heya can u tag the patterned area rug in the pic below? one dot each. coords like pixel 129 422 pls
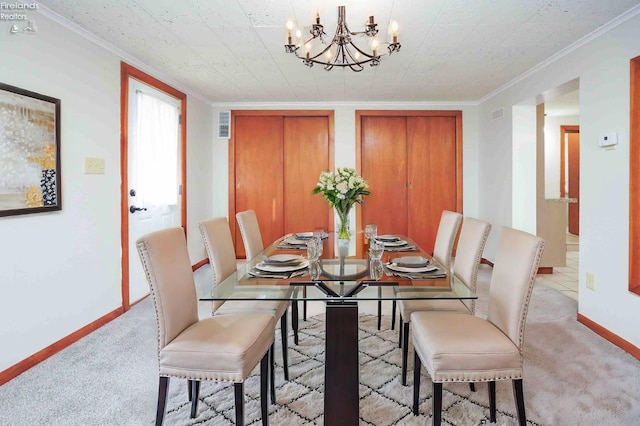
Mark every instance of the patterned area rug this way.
pixel 383 399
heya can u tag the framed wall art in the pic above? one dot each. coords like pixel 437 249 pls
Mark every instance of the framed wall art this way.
pixel 29 152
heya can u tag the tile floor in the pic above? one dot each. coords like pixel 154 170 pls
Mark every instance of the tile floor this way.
pixel 563 279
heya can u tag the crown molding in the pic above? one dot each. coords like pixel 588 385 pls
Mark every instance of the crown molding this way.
pixel 631 13
pixel 132 60
pixel 334 104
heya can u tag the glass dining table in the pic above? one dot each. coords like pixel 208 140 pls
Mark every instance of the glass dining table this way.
pixel 342 277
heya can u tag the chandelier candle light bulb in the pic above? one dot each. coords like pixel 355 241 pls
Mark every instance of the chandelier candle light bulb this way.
pixel 394 31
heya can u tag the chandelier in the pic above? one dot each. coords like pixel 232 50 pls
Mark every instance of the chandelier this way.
pixel 341 51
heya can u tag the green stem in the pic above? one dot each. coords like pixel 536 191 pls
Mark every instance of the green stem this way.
pixel 343 226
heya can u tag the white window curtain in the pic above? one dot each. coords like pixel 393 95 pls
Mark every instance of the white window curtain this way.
pixel 156 152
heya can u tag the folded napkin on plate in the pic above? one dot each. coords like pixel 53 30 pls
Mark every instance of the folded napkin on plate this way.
pixel 256 273
pixel 387 238
pixel 400 248
pixel 436 273
pixel 429 276
pixel 286 246
pixel 309 235
pixel 411 262
pixel 304 235
pixel 292 262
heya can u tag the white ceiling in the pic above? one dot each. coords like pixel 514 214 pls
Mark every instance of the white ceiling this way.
pixel 232 50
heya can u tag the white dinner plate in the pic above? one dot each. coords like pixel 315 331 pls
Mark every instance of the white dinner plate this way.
pixel 274 259
pixel 292 240
pixel 387 238
pixel 410 261
pixel 395 268
pixel 276 268
pixel 396 243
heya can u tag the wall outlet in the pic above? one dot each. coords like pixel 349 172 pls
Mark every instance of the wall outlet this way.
pixel 591 281
pixel 94 166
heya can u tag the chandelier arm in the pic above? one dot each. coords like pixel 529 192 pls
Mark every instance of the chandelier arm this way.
pixel 362 52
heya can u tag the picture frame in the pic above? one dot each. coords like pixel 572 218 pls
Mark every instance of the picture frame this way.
pixel 30 179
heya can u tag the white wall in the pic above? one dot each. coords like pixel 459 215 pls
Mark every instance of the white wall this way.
pixel 524 170
pixel 61 271
pixel 345 142
pixel 602 66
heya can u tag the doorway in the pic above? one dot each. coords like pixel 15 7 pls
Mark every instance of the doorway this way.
pixel 570 176
pixel 153 168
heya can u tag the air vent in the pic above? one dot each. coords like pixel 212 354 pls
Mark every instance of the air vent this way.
pixel 497 114
pixel 224 124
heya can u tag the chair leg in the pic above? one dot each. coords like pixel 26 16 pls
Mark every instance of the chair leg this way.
pixel 518 393
pixel 283 335
pixel 195 393
pixel 472 386
pixel 264 385
pixel 379 312
pixel 294 321
pixel 393 315
pixel 400 323
pixel 272 371
pixel 492 401
pixel 238 393
pixel 405 352
pixel 163 386
pixel 437 403
pixel 189 389
pixel 417 365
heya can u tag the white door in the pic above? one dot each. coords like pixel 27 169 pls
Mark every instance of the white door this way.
pixel 153 171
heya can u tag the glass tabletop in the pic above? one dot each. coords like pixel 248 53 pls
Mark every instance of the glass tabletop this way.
pixel 282 272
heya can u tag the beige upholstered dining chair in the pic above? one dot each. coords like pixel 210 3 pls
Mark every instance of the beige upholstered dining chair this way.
pixel 253 245
pixel 473 237
pixel 442 251
pixel 250 231
pixel 219 245
pixel 221 348
pixel 466 348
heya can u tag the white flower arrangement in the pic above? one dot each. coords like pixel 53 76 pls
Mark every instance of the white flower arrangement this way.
pixel 342 188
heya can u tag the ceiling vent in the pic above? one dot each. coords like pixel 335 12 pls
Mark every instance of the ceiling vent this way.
pixel 497 114
pixel 224 124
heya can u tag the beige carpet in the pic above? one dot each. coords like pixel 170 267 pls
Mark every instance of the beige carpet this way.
pixel 572 377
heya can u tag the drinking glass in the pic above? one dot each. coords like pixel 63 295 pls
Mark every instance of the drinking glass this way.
pixel 314 249
pixel 376 248
pixel 371 231
pixel 315 270
pixel 375 269
pixel 318 235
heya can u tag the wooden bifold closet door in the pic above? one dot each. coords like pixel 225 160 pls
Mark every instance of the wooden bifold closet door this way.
pixel 275 158
pixel 412 160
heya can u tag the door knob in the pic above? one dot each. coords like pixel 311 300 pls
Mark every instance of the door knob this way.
pixel 134 209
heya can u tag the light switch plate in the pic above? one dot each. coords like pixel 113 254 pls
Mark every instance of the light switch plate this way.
pixel 94 166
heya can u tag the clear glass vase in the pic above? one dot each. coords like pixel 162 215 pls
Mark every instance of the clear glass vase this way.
pixel 342 226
